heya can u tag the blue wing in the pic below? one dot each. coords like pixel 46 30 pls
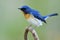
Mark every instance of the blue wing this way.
pixel 37 15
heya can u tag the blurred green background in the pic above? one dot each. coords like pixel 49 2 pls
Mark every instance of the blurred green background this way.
pixel 13 23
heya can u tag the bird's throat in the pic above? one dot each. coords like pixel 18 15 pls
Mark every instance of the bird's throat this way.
pixel 27 16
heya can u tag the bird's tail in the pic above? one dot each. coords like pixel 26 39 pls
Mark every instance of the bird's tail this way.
pixel 54 14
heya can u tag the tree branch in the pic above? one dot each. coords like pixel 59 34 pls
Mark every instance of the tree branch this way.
pixel 32 31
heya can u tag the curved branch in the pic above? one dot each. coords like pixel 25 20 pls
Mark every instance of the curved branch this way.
pixel 32 31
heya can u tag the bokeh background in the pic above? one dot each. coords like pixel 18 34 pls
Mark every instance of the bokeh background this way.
pixel 13 23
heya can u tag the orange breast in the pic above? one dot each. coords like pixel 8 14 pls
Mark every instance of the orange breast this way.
pixel 27 16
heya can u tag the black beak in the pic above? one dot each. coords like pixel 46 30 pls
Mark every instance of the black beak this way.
pixel 19 8
pixel 23 9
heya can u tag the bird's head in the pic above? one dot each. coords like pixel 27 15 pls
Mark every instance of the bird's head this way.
pixel 25 9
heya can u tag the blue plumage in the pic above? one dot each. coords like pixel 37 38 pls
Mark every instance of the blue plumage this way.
pixel 50 15
pixel 36 14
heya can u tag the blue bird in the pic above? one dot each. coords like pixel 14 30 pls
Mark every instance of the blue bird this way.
pixel 34 17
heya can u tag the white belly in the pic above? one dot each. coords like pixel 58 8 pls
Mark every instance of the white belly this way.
pixel 34 21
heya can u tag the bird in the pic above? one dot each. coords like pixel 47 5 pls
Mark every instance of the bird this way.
pixel 34 17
